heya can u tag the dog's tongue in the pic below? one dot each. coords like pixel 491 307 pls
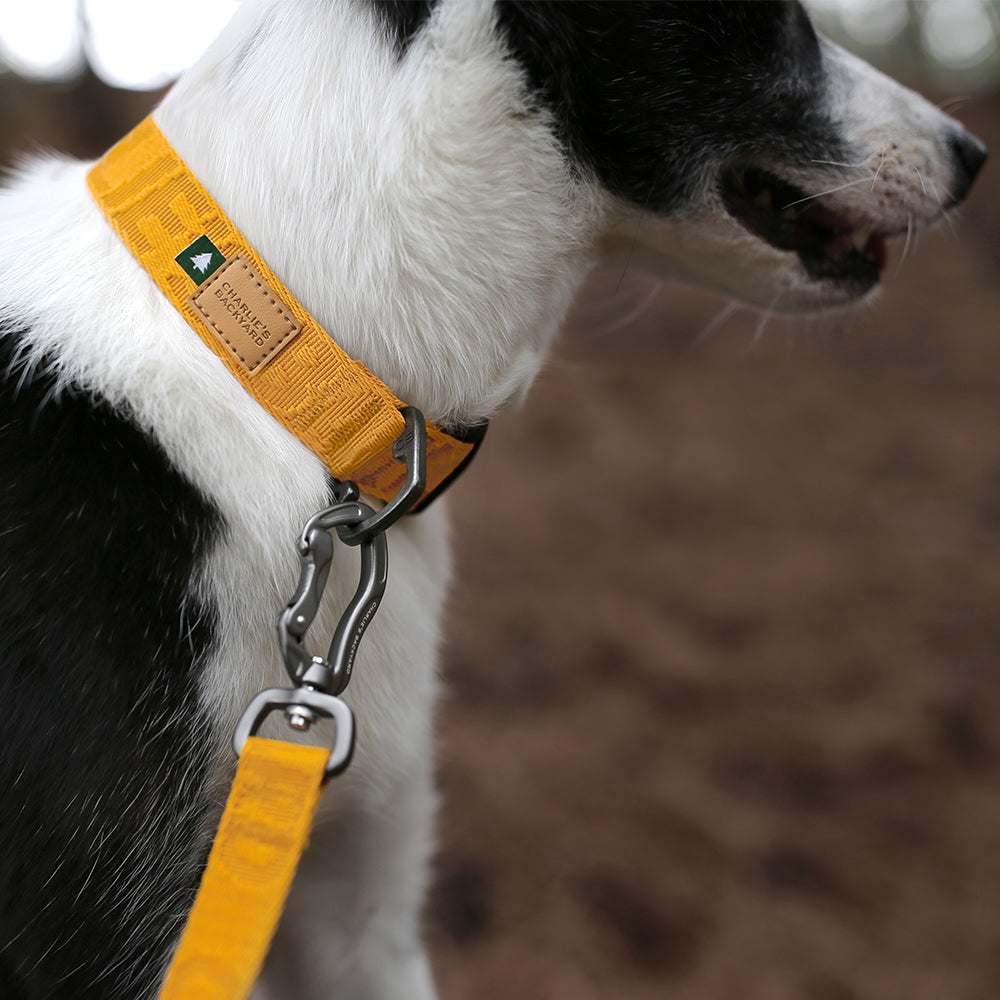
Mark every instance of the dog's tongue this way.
pixel 845 236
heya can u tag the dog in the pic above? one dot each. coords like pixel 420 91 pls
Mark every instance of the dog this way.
pixel 433 180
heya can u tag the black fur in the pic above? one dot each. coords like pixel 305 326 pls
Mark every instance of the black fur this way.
pixel 739 79
pixel 403 19
pixel 101 771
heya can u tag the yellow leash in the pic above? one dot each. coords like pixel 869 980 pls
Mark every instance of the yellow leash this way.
pixel 266 822
pixel 353 422
pixel 262 834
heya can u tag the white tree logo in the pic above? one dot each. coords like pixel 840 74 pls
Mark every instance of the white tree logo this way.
pixel 201 261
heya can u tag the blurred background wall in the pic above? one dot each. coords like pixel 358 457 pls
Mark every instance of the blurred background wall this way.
pixel 721 670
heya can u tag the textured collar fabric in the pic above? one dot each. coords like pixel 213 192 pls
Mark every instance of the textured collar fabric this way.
pixel 253 323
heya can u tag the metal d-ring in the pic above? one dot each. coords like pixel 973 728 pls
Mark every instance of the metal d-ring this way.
pixel 410 449
pixel 316 702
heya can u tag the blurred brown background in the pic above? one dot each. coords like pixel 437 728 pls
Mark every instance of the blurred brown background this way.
pixel 721 667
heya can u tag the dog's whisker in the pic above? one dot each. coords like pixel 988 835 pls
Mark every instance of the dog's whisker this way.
pixel 638 225
pixel 936 195
pixel 851 166
pixel 940 201
pixel 631 249
pixel 715 323
pixel 906 244
pixel 758 333
pixel 878 171
pixel 953 103
pixel 765 317
pixel 823 194
pixel 635 312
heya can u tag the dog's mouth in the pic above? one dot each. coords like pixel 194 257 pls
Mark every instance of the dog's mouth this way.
pixel 829 245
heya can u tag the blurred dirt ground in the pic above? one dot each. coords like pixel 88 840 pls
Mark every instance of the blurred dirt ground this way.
pixel 721 656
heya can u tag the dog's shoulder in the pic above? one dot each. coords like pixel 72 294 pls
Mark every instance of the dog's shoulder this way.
pixel 101 542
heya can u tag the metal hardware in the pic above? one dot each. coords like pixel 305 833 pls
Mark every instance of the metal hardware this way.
pixel 301 718
pixel 319 681
pixel 472 435
pixel 315 548
pixel 410 449
pixel 318 703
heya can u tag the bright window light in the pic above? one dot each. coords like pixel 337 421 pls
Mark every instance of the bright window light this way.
pixel 874 22
pixel 958 33
pixel 40 39
pixel 141 46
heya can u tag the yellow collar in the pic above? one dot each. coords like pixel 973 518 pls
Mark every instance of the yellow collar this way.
pixel 263 335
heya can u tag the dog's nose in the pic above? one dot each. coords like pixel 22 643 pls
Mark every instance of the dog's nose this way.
pixel 969 154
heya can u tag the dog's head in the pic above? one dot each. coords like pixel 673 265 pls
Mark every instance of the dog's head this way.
pixel 458 160
pixel 745 152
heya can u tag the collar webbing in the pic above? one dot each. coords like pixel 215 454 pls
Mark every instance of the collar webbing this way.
pixel 244 313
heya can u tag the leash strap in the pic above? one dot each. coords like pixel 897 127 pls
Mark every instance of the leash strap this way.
pixel 243 312
pixel 264 829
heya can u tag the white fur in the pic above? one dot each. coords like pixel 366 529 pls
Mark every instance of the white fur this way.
pixel 434 228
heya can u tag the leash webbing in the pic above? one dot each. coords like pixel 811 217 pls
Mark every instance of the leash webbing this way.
pixel 243 312
pixel 263 832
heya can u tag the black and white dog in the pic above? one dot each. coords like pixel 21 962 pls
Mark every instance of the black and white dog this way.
pixel 433 180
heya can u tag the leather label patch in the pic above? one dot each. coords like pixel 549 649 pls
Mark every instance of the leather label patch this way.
pixel 246 316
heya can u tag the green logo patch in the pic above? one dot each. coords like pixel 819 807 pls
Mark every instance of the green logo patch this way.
pixel 200 260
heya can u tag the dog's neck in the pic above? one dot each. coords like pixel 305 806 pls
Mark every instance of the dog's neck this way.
pixel 413 205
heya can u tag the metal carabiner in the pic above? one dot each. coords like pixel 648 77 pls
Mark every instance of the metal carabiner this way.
pixel 315 548
pixel 319 681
